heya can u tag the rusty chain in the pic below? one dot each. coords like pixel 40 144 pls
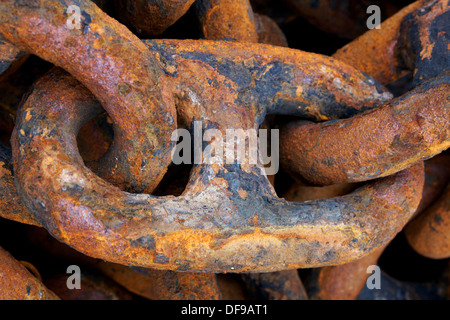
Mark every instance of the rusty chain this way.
pixel 229 217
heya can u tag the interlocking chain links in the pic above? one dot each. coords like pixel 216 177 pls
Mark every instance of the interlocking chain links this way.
pixel 375 144
pixel 141 230
pixel 17 283
pixel 437 176
pixel 163 285
pixel 117 68
pixel 151 17
pixel 386 140
pixel 224 209
pixel 150 284
pixel 269 32
pixel 344 282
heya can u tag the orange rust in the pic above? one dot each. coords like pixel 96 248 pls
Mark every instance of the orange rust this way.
pixel 429 233
pixel 163 285
pixel 159 232
pixel 227 19
pixel 127 87
pixel 343 282
pixel 437 176
pixel 374 51
pixel 32 269
pixel 11 57
pixel 206 228
pixel 374 144
pixel 17 283
pixel 269 32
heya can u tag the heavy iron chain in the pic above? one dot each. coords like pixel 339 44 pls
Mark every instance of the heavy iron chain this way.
pixel 229 217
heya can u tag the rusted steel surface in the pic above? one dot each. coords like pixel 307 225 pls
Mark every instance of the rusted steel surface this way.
pixel 146 283
pixel 227 19
pixel 423 43
pixel 408 129
pixel 162 232
pixel 186 56
pixel 269 32
pixel 103 196
pixel 163 285
pixel 374 144
pixel 343 282
pixel 281 285
pixel 133 82
pixel 243 75
pixel 413 39
pixel 437 176
pixel 151 17
pixel 17 283
pixel 429 233
pixel 92 287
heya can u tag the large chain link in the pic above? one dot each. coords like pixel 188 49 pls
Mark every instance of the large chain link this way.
pixel 229 217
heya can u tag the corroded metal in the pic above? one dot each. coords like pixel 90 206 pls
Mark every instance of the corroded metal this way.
pixel 144 226
pixel 375 144
pixel 408 129
pixel 269 32
pixel 17 283
pixel 11 207
pixel 412 39
pixel 151 17
pixel 227 19
pixel 8 54
pixel 163 232
pixel 163 285
pixel 146 283
pixel 132 89
pixel 228 219
pixel 437 176
pixel 374 51
pixel 343 282
pixel 429 233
